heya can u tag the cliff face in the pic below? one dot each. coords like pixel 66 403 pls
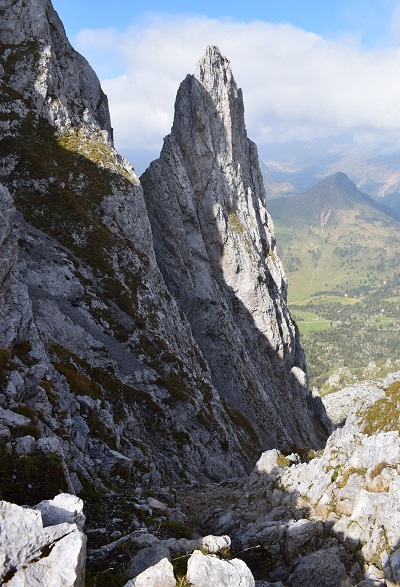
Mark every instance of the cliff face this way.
pixel 95 352
pixel 103 372
pixel 215 245
pixel 39 62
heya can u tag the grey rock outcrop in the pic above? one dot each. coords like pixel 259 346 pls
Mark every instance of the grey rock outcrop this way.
pixel 333 520
pixel 95 351
pixel 159 575
pixel 323 568
pixel 215 245
pixel 147 557
pixel 339 404
pixel 56 79
pixel 64 508
pixel 37 553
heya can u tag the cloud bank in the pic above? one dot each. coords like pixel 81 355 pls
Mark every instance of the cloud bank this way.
pixel 297 85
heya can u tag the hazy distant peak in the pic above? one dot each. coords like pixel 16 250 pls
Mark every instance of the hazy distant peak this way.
pixel 338 180
pixel 341 185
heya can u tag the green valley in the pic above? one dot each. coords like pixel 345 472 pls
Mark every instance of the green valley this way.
pixel 341 251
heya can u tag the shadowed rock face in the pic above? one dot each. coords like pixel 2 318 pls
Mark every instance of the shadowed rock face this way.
pixel 215 245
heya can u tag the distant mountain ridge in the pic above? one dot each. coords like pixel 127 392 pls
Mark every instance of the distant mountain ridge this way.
pixel 393 202
pixel 375 174
pixel 336 192
pixel 343 232
pixel 273 188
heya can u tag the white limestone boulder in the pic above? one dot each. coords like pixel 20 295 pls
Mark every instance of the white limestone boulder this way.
pixel 159 575
pixel 63 508
pixel 34 556
pixel 267 464
pixel 209 570
pixel 146 558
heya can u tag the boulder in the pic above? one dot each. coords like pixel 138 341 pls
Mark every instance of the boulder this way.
pixel 271 533
pixel 392 570
pixel 10 418
pixel 63 508
pixel 159 575
pixel 213 544
pixel 158 507
pixel 208 544
pixel 24 445
pixel 146 558
pixel 303 537
pixel 209 570
pixel 38 556
pixel 64 566
pixel 323 568
pixel 267 464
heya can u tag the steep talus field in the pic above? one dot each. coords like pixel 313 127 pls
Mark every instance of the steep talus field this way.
pixel 328 522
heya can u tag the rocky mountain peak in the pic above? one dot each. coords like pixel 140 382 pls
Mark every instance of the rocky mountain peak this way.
pixel 39 62
pixel 30 20
pixel 209 122
pixel 120 313
pixel 339 182
pixel 215 245
pixel 214 72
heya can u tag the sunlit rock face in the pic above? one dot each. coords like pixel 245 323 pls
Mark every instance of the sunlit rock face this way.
pixel 109 366
pixel 215 245
pixel 93 348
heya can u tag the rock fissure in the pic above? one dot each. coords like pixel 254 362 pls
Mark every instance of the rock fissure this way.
pixel 45 552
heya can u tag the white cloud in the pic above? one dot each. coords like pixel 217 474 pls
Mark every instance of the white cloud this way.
pixel 297 85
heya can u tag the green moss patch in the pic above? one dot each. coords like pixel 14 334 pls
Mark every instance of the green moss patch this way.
pixel 78 382
pixel 384 414
pixel 344 478
pixel 31 478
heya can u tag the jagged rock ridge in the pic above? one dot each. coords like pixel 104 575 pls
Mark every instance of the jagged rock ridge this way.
pixel 101 374
pixel 215 245
pixel 95 353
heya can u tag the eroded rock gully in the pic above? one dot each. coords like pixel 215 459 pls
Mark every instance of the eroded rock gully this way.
pixel 328 518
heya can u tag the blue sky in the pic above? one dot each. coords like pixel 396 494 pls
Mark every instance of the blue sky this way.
pixel 319 78
pixel 370 18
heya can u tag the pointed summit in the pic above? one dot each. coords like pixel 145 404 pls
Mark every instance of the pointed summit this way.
pixel 337 193
pixel 215 245
pixel 214 70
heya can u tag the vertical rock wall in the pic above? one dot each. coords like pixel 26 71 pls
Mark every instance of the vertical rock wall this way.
pixel 215 245
pixel 110 366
